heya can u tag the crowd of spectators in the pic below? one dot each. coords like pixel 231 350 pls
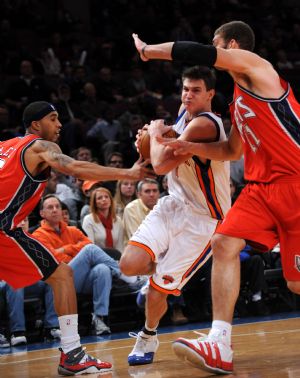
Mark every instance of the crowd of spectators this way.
pixel 88 68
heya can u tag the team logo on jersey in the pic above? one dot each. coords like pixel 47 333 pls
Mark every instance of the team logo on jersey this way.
pixel 168 279
pixel 297 262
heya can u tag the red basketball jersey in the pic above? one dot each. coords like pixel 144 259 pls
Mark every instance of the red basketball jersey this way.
pixel 270 131
pixel 19 191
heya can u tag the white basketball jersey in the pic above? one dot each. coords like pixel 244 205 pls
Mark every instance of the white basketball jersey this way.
pixel 205 186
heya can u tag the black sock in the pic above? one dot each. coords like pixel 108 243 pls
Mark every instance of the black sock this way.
pixel 147 332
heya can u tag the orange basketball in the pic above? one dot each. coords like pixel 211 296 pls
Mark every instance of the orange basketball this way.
pixel 145 142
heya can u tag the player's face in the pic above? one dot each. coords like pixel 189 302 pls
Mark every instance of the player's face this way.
pixel 50 127
pixel 149 194
pixel 103 201
pixel 195 96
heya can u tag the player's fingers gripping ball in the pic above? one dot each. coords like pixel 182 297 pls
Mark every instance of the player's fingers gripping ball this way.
pixel 144 145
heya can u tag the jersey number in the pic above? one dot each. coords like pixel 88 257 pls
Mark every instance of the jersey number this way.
pixel 241 113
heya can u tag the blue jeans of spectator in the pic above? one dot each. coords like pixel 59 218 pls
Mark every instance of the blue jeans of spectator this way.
pixel 15 305
pixel 93 270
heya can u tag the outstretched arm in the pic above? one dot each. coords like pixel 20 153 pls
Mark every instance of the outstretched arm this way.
pixel 44 153
pixel 230 149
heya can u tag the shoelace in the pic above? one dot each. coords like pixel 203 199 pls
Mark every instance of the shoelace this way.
pixel 141 342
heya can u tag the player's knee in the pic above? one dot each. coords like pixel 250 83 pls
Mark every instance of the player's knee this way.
pixel 294 286
pixel 225 247
pixel 134 261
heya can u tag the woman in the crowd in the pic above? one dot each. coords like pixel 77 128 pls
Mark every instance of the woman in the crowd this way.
pixel 102 226
pixel 125 193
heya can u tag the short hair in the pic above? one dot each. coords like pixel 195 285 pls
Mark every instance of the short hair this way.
pixel 200 73
pixel 146 181
pixel 47 196
pixel 240 31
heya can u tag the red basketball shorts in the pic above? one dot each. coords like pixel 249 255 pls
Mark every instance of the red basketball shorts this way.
pixel 265 214
pixel 23 259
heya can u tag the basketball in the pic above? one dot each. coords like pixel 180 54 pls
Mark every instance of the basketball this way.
pixel 145 142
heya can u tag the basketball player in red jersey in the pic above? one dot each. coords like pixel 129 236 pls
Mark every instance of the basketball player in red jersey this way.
pixel 24 168
pixel 265 115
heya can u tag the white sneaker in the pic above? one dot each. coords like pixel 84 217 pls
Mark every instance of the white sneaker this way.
pixel 4 343
pixel 204 353
pixel 144 349
pixel 18 340
pixel 100 327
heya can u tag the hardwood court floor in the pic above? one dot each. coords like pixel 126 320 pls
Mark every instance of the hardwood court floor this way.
pixel 264 349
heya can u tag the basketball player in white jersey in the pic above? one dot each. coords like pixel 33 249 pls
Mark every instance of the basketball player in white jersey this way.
pixel 173 242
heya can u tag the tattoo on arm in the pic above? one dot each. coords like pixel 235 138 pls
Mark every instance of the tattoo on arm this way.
pixel 55 155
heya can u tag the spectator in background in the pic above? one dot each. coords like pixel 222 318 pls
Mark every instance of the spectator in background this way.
pixel 116 160
pixel 125 193
pixel 164 185
pixel 92 107
pixel 93 269
pixel 103 226
pixel 135 212
pixel 105 133
pixel 87 188
pixel 23 90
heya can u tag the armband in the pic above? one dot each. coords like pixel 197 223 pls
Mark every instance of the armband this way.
pixel 194 53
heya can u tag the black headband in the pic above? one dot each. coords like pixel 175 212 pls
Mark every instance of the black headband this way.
pixel 36 111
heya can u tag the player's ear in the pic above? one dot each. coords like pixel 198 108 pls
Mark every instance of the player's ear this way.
pixel 211 94
pixel 35 125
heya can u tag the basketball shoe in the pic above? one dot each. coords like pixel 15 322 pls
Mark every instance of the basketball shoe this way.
pixel 144 349
pixel 78 362
pixel 212 355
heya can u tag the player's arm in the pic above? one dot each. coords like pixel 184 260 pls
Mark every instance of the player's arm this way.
pixel 44 153
pixel 235 60
pixel 163 159
pixel 230 149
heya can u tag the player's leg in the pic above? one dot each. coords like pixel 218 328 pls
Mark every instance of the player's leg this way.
pixel 213 352
pixel 73 359
pixel 146 340
pixel 136 260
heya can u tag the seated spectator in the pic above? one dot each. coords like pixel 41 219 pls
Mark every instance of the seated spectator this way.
pixel 164 185
pixel 102 226
pixel 115 160
pixel 87 187
pixel 66 216
pixel 135 212
pixel 125 193
pixel 93 269
pixel 105 133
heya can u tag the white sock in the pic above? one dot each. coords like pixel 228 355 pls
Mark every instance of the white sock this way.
pixel 70 338
pixel 128 279
pixel 221 329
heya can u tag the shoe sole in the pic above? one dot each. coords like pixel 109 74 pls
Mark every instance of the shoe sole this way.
pixel 92 369
pixel 186 354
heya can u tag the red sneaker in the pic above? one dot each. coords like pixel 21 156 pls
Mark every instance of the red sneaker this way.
pixel 211 355
pixel 78 362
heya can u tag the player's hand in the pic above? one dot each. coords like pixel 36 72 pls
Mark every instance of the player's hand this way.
pixel 158 128
pixel 139 44
pixel 138 137
pixel 180 147
pixel 139 169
